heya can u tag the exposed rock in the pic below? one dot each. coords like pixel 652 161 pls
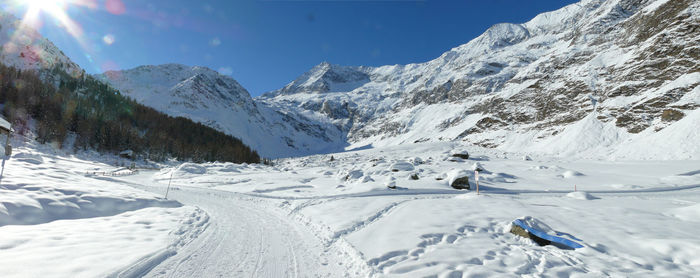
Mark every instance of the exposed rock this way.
pixel 672 115
pixel 458 179
pixel 517 230
pixel 401 166
pixel 462 154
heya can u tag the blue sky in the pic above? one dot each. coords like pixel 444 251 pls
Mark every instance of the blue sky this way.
pixel 266 44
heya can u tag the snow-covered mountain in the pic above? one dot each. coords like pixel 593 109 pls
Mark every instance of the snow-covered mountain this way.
pixel 607 75
pixel 216 100
pixel 520 86
pixel 24 48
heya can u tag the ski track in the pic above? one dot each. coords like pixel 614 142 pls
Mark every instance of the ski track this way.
pixel 284 247
pixel 246 238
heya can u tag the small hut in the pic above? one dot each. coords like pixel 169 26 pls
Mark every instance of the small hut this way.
pixel 127 154
pixel 6 130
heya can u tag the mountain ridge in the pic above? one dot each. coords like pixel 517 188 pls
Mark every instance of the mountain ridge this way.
pixel 635 59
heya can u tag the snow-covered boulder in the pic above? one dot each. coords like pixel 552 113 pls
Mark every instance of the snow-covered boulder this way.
pixel 401 166
pixel 570 174
pixel 458 179
pixel 366 179
pixel 463 154
pixel 390 182
pixel 191 168
pixel 535 224
pixel 346 175
pixel 417 161
pixel 581 195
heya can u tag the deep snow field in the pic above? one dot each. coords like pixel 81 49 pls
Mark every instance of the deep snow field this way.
pixel 311 216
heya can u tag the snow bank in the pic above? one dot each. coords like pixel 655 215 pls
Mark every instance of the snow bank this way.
pixel 39 188
pixel 98 247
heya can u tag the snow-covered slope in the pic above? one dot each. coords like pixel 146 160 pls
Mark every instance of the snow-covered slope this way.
pixel 592 78
pixel 520 85
pixel 24 48
pixel 216 100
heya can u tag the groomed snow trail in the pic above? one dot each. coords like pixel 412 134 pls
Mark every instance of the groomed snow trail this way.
pixel 248 237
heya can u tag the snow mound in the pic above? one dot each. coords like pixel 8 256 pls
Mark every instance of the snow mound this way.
pixel 417 161
pixel 401 166
pixel 570 174
pixel 230 168
pixel 27 157
pixel 581 195
pixel 347 175
pixel 390 182
pixel 191 168
pixel 689 213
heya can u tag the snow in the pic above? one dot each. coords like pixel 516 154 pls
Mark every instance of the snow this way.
pixel 308 216
pixel 94 247
pixel 425 228
pixel 53 210
pixel 581 195
pixel 633 199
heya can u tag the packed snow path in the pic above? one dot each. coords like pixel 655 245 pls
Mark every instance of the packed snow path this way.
pixel 247 238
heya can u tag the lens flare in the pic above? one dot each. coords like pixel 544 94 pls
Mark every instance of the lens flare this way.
pixel 55 9
pixel 108 39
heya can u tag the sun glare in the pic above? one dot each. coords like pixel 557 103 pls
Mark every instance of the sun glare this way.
pixel 46 5
pixel 55 9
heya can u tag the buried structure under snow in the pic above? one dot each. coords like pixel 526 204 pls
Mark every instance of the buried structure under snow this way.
pixel 531 228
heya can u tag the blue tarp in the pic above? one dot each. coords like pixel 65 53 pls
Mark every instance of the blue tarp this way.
pixel 546 236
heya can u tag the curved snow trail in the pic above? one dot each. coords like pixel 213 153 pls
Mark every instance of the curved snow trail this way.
pixel 247 237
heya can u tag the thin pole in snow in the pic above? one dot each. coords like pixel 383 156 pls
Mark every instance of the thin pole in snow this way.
pixel 171 180
pixel 3 168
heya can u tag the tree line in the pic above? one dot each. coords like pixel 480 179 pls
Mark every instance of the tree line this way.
pixel 60 106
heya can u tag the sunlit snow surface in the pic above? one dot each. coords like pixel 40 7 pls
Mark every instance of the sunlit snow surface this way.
pixel 57 221
pixel 311 216
pixel 634 217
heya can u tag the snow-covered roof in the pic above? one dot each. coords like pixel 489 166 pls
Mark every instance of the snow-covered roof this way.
pixel 5 125
pixel 127 152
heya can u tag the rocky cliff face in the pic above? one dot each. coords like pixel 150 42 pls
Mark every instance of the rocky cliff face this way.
pixel 635 62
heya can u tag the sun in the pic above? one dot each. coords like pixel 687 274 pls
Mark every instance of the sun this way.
pixel 50 6
pixel 55 9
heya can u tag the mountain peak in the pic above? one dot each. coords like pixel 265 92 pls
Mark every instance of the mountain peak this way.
pixel 23 47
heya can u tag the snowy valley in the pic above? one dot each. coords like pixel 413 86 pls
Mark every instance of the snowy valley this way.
pixel 584 118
